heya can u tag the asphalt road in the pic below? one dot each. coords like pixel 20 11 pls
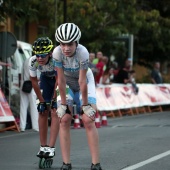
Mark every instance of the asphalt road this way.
pixel 140 142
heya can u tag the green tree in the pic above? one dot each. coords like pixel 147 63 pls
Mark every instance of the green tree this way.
pixel 101 22
pixel 23 12
pixel 152 39
pixel 20 11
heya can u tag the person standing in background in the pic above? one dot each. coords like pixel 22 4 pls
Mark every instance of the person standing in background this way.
pixel 123 74
pixel 106 77
pixel 91 65
pixel 99 66
pixel 105 62
pixel 27 100
pixel 156 77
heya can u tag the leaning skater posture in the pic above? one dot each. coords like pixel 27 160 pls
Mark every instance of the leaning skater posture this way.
pixel 45 91
pixel 71 61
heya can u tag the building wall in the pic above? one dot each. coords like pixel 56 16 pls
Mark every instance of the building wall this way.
pixel 7 25
pixel 32 32
pixel 31 29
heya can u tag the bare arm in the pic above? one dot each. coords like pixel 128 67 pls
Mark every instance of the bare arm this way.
pixel 153 81
pixel 56 84
pixel 105 77
pixel 127 81
pixel 83 86
pixel 5 64
pixel 153 77
pixel 36 88
pixel 61 85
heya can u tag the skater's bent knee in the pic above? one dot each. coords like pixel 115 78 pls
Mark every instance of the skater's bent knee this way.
pixel 89 124
pixel 65 121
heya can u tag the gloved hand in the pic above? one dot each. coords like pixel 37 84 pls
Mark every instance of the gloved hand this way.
pixel 89 111
pixel 42 106
pixel 54 104
pixel 61 110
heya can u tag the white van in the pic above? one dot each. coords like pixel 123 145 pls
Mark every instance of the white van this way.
pixel 23 51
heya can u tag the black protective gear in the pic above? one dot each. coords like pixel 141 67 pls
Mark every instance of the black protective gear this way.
pixel 42 106
pixel 54 104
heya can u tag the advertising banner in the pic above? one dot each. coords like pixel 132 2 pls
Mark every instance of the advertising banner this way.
pixel 120 96
pixel 5 111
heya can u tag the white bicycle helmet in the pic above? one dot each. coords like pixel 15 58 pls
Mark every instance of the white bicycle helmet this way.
pixel 67 33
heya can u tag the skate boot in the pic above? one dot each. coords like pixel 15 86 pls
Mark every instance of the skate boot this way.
pixel 41 152
pixel 46 160
pixel 49 152
pixel 96 167
pixel 66 167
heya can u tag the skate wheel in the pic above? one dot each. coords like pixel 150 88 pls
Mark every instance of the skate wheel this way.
pixel 51 162
pixel 48 163
pixel 41 163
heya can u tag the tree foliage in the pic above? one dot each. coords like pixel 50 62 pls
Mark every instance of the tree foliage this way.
pixel 101 21
pixel 153 36
pixel 20 11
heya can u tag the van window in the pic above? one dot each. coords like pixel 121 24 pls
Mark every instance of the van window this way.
pixel 28 53
pixel 23 57
pixel 21 54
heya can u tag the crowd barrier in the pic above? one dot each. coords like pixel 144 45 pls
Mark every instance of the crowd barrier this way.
pixel 6 116
pixel 109 98
pixel 120 96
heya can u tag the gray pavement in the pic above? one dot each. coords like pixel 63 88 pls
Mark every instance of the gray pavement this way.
pixel 127 143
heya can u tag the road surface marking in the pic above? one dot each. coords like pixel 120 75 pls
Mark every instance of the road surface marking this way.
pixel 150 160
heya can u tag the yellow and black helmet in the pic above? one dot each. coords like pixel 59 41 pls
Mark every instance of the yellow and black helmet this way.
pixel 42 45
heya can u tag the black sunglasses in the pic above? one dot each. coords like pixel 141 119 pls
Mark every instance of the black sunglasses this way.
pixel 42 55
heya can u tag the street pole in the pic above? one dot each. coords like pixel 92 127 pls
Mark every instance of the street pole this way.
pixel 65 10
pixel 130 48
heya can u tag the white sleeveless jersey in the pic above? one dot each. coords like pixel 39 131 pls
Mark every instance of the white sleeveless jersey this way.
pixel 72 65
pixel 47 69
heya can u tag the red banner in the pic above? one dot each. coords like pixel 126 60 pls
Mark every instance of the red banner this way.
pixel 119 96
pixel 5 111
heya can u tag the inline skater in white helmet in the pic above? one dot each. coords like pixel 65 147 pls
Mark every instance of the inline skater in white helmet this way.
pixel 71 62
